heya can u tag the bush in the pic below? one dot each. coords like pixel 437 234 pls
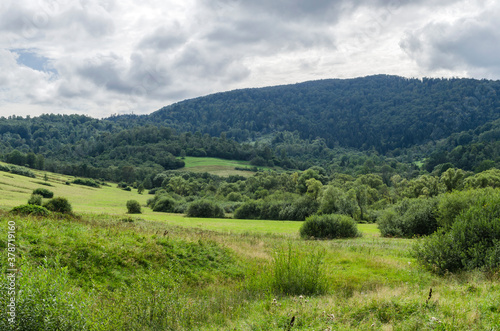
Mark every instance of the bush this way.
pixel 453 204
pixel 22 171
pixel 4 168
pixel 164 204
pixel 59 205
pixel 472 241
pixel 35 199
pixel 86 182
pixel 329 227
pixel 133 207
pixel 30 210
pixel 249 210
pixel 44 193
pixel 204 208
pixel 409 218
pixel 299 209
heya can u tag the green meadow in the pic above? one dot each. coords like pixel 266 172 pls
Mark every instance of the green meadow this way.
pixel 103 269
pixel 218 167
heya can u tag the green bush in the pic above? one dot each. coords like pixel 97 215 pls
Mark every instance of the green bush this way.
pixel 249 210
pixel 453 204
pixel 300 209
pixel 22 171
pixel 472 241
pixel 59 205
pixel 164 204
pixel 329 227
pixel 204 208
pixel 133 207
pixel 30 210
pixel 4 168
pixel 409 218
pixel 35 199
pixel 44 192
pixel 86 182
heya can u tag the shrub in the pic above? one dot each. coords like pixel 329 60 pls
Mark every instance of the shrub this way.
pixel 22 171
pixel 472 241
pixel 44 193
pixel 329 227
pixel 35 199
pixel 4 168
pixel 86 182
pixel 249 210
pixel 59 205
pixel 30 210
pixel 453 204
pixel 204 208
pixel 164 204
pixel 133 207
pixel 409 218
pixel 299 209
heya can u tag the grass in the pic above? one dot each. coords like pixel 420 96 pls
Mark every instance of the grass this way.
pixel 107 270
pixel 218 166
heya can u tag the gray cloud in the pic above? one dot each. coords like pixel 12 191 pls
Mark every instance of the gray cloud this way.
pixel 121 56
pixel 469 44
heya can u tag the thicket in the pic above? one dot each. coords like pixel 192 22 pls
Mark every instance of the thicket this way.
pixel 59 205
pixel 409 218
pixel 44 192
pixel 204 208
pixel 470 241
pixel 329 227
pixel 30 209
pixel 86 182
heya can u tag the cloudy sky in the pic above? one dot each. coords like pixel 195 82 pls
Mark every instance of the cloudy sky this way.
pixel 103 57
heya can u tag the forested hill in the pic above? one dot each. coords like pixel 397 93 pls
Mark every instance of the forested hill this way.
pixel 381 112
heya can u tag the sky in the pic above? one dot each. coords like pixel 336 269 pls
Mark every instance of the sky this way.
pixel 105 57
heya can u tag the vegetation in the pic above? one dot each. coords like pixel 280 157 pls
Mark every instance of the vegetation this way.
pixel 329 227
pixel 133 207
pixel 59 205
pixel 45 193
pixel 203 208
pixel 411 163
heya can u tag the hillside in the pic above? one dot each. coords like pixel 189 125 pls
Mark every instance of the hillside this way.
pixel 381 112
pixel 340 125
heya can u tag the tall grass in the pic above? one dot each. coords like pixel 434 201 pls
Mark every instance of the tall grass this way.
pixel 297 270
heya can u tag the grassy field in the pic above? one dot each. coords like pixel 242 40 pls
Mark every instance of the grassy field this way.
pixel 106 270
pixel 217 166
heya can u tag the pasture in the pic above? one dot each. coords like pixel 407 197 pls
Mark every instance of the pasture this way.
pixel 106 270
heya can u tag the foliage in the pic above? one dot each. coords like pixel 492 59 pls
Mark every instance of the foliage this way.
pixel 472 241
pixel 331 226
pixel 59 205
pixel 22 171
pixel 133 207
pixel 453 204
pixel 35 199
pixel 86 182
pixel 44 192
pixel 162 203
pixel 30 209
pixel 409 218
pixel 204 208
pixel 297 273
